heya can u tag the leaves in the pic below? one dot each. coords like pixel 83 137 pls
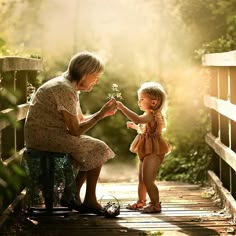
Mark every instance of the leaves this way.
pixel 219 16
pixel 12 178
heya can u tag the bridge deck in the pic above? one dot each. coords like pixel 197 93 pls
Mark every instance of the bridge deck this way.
pixel 187 210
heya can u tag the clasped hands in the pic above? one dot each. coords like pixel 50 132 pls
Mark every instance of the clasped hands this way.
pixel 110 107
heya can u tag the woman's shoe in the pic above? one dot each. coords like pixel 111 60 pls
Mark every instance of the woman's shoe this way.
pixel 153 208
pixel 139 204
pixel 84 209
pixel 72 205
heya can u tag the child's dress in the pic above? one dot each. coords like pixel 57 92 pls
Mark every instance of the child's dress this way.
pixel 149 139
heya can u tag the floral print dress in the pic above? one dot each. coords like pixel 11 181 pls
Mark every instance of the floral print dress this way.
pixel 45 128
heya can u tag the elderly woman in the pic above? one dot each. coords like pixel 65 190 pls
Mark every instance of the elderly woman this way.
pixel 56 123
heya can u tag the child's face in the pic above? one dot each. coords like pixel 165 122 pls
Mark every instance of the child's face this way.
pixel 145 102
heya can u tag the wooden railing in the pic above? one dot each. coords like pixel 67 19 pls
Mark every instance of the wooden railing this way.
pixel 221 101
pixel 15 73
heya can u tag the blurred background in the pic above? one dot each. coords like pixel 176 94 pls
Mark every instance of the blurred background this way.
pixel 140 40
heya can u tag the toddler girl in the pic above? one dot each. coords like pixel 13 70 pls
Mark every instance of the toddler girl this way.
pixel 148 144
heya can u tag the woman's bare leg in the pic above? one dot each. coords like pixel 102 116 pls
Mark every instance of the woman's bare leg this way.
pixel 80 179
pixel 90 194
pixel 150 166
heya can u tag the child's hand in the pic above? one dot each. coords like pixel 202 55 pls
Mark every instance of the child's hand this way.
pixel 119 105
pixel 131 125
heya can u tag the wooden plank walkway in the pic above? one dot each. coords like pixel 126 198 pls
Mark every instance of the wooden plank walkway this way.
pixel 187 210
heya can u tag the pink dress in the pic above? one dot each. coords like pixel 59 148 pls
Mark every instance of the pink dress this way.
pixel 149 139
pixel 45 128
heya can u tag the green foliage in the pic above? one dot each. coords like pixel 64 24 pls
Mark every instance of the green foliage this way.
pixel 188 162
pixel 12 176
pixel 8 100
pixel 188 123
pixel 213 21
pixel 12 179
pixel 222 44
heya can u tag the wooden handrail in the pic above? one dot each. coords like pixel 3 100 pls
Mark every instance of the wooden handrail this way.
pixel 221 102
pixel 223 107
pixel 18 114
pixel 223 151
pixel 19 64
pixel 219 59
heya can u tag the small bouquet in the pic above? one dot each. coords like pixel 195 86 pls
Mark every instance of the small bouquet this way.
pixel 115 93
pixel 111 208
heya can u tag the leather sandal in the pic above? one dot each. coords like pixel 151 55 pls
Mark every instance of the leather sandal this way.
pixel 139 204
pixel 153 208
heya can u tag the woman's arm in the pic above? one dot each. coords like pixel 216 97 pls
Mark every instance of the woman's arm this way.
pixel 145 118
pixel 78 128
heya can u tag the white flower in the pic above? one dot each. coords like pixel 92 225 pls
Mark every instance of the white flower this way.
pixel 115 92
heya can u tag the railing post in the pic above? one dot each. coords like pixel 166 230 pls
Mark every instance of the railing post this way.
pixel 233 125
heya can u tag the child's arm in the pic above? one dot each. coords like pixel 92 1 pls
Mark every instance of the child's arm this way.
pixel 147 117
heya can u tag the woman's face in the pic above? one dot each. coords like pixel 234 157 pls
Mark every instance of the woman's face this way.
pixel 88 81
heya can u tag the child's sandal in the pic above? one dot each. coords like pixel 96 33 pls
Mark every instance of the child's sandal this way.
pixel 139 204
pixel 153 208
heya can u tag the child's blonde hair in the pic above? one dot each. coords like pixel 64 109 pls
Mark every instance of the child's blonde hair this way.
pixel 155 91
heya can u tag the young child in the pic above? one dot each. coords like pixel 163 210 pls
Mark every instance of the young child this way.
pixel 148 144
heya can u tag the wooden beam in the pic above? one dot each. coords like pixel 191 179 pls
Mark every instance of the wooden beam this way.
pixel 223 107
pixel 219 59
pixel 18 114
pixel 15 157
pixel 225 196
pixel 19 64
pixel 223 151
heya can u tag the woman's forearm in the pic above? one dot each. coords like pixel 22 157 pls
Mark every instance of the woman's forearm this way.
pixel 89 122
pixel 88 117
pixel 77 127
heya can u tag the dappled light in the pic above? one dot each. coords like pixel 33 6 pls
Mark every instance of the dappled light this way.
pixel 139 40
pixel 188 47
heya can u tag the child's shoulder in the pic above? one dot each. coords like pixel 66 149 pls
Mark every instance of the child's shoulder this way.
pixel 158 115
pixel 149 113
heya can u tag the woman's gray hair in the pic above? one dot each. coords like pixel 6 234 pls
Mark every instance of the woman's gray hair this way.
pixel 83 63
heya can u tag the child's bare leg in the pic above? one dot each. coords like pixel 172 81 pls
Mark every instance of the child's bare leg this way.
pixel 150 166
pixel 142 191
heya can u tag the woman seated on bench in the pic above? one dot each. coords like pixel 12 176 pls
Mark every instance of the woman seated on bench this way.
pixel 55 123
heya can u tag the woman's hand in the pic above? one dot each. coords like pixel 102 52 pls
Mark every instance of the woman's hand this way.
pixel 109 108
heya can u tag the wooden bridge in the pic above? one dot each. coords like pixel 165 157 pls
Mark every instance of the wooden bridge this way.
pixel 187 209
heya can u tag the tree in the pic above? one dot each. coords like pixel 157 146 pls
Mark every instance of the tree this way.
pixel 212 22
